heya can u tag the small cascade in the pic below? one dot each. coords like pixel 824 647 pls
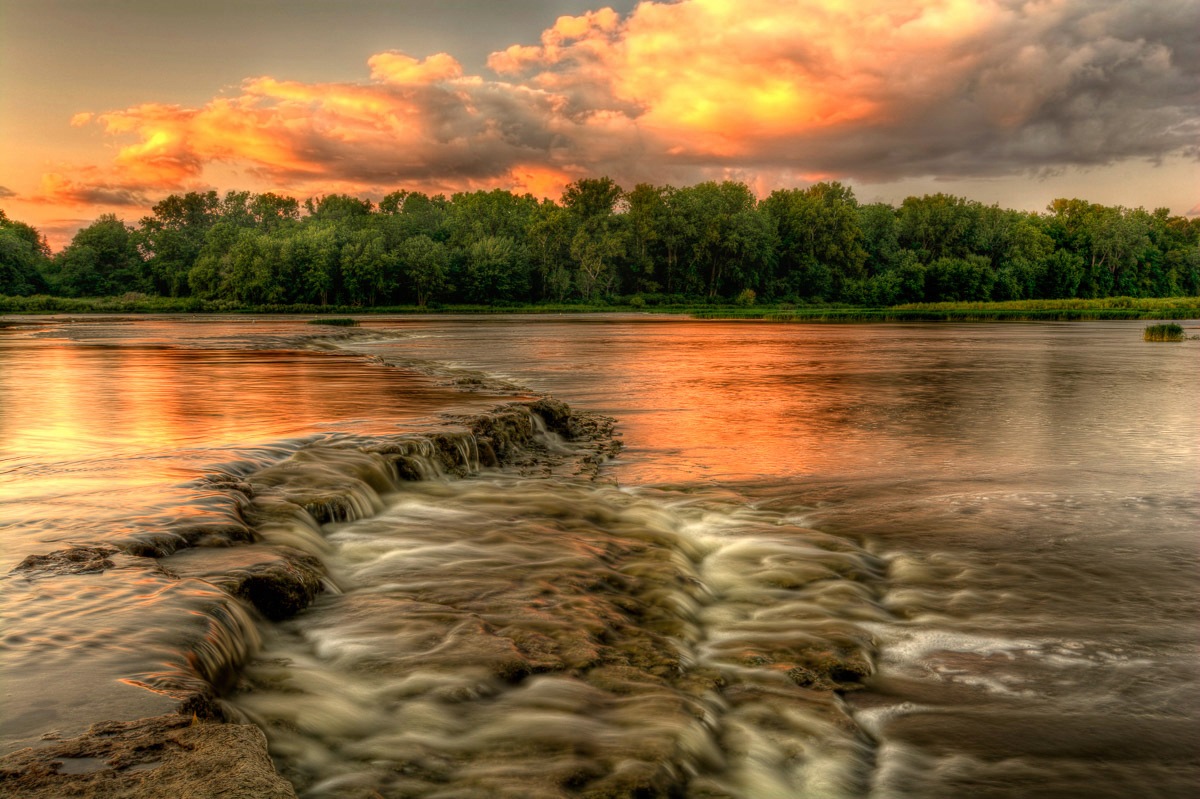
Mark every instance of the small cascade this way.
pixel 254 543
pixel 217 646
pixel 560 638
pixel 492 634
pixel 784 628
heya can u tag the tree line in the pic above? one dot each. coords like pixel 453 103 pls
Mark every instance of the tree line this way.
pixel 712 242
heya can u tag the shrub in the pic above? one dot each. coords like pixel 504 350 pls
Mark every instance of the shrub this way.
pixel 336 321
pixel 1167 332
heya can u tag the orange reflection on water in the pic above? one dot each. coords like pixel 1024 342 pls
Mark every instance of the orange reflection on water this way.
pixel 72 402
pixel 716 400
pixel 92 435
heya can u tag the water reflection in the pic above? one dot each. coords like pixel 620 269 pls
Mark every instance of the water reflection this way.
pixel 999 518
pixel 108 428
pixel 728 400
pixel 104 428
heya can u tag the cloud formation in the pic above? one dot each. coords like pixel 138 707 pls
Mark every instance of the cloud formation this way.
pixel 779 89
pixel 90 186
pixel 5 191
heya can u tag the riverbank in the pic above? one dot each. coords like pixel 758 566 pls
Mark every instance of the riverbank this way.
pixel 1019 310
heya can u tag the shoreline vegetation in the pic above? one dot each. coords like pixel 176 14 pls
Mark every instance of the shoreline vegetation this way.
pixel 708 249
pixel 1167 332
pixel 1147 308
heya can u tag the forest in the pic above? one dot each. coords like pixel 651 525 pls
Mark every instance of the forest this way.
pixel 599 244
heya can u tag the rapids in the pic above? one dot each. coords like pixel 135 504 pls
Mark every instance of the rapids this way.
pixel 808 561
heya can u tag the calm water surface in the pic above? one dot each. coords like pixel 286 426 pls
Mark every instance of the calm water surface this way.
pixel 997 520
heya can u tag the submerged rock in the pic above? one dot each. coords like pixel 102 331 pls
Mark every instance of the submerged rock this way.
pixel 76 560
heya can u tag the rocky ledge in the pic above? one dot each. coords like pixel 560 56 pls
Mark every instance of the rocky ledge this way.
pixel 165 756
pixel 196 752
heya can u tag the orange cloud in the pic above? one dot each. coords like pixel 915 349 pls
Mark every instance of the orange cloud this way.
pixel 398 68
pixel 719 77
pixel 89 188
pixel 566 38
pixel 879 88
pixel 699 89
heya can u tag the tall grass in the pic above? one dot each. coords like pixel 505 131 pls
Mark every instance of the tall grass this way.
pixel 1167 332
pixel 1021 310
pixel 336 321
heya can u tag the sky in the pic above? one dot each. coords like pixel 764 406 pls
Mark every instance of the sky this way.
pixel 107 106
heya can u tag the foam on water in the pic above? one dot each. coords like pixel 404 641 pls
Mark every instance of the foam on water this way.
pixel 555 636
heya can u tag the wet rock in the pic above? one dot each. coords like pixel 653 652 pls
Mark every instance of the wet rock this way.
pixel 162 543
pixel 329 484
pixel 507 432
pixel 163 756
pixel 228 482
pixel 76 560
pixel 832 670
pixel 456 453
pixel 557 415
pixel 278 581
pixel 488 459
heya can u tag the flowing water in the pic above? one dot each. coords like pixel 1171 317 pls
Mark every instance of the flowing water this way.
pixel 830 561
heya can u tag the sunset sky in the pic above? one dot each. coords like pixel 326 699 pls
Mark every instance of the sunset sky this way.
pixel 108 106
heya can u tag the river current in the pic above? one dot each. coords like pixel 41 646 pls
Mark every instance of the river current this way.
pixel 918 560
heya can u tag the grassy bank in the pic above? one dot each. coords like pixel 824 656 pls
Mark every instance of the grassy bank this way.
pixel 1022 310
pixel 1052 310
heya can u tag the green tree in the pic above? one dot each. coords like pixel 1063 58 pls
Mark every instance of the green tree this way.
pixel 820 238
pixel 426 263
pixel 1020 256
pixel 496 269
pixel 312 255
pixel 405 214
pixel 368 269
pixel 1112 241
pixel 550 233
pixel 24 257
pixel 968 279
pixel 255 270
pixel 273 212
pixel 598 238
pixel 1061 275
pixel 647 214
pixel 728 243
pixel 102 260
pixel 880 237
pixel 472 216
pixel 340 210
pixel 1177 238
pixel 171 239
pixel 939 226
pixel 209 276
pixel 594 251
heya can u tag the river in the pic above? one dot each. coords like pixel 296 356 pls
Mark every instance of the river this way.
pixel 901 560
